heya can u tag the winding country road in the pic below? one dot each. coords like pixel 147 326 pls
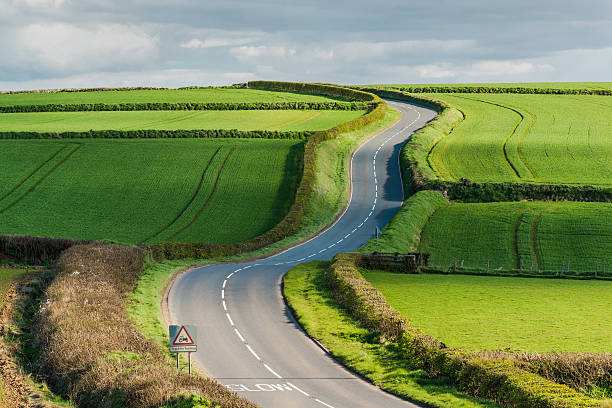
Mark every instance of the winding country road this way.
pixel 247 337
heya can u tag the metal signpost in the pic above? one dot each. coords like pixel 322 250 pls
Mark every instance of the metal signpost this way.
pixel 183 339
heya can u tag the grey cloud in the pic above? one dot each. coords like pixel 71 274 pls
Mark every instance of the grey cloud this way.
pixel 361 41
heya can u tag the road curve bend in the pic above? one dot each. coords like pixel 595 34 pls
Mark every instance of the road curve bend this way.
pixel 247 337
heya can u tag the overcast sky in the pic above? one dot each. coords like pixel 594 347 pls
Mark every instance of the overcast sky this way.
pixel 87 43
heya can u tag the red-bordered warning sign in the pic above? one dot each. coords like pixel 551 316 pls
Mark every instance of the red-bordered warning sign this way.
pixel 183 338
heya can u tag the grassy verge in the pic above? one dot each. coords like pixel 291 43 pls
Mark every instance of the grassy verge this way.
pixel 331 191
pixel 322 317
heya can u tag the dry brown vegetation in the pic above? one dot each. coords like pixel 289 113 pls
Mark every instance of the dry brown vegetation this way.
pixel 90 351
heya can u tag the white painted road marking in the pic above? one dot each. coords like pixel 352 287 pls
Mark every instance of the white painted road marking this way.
pixel 230 319
pixel 272 371
pixel 321 402
pixel 239 335
pixel 253 352
pixel 299 390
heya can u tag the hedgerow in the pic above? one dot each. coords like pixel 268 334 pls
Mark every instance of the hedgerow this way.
pixel 161 134
pixel 514 90
pixel 36 250
pixel 173 250
pixel 504 381
pixel 91 353
pixel 86 107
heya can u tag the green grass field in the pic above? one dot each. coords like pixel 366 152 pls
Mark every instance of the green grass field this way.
pixel 205 95
pixel 174 120
pixel 484 312
pixel 536 235
pixel 552 139
pixel 543 85
pixel 136 190
pixel 323 318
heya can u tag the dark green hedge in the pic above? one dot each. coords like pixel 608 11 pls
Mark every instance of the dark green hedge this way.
pixel 514 90
pixel 173 250
pixel 36 250
pixel 188 106
pixel 494 192
pixel 500 380
pixel 160 134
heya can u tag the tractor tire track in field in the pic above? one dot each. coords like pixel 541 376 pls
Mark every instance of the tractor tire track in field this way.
pixel 533 239
pixel 512 133
pixel 517 254
pixel 195 194
pixel 39 181
pixel 212 192
pixel 22 182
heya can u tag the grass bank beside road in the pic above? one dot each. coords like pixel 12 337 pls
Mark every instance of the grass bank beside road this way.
pixel 306 291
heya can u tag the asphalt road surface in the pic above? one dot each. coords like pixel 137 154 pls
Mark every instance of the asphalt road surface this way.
pixel 247 337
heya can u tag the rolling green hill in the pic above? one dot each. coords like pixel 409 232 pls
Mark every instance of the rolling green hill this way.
pixel 136 190
pixel 550 139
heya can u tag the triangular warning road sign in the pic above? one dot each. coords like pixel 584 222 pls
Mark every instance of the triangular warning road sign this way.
pixel 182 338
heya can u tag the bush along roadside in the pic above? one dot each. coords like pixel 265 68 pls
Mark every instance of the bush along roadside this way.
pixel 90 351
pixel 419 175
pixel 161 134
pixel 484 376
pixel 291 221
pixel 155 106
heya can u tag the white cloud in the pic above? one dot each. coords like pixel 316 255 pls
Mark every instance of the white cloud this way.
pixel 215 42
pixel 506 68
pixel 368 50
pixel 435 72
pixel 156 78
pixel 247 51
pixel 39 3
pixel 65 48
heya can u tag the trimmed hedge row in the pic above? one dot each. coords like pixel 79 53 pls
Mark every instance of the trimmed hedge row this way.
pixel 418 174
pixel 161 134
pixel 499 380
pixel 497 90
pixel 467 191
pixel 173 250
pixel 187 106
pixel 36 250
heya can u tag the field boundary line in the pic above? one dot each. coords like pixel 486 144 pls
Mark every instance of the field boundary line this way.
pixel 214 189
pixel 31 174
pixel 195 194
pixel 47 174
